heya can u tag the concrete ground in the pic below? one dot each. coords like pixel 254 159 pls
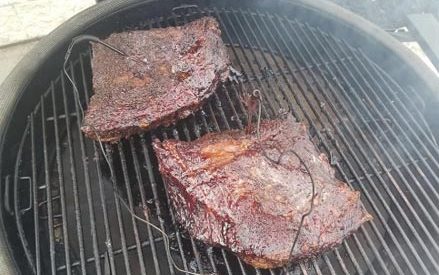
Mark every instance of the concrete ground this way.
pixel 10 56
pixel 23 22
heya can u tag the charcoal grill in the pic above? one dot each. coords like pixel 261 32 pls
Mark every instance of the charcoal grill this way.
pixel 370 106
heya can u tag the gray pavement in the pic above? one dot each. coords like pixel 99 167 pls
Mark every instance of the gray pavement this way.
pixel 22 22
pixel 10 56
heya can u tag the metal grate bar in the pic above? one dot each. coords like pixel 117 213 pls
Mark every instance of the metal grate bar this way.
pixel 174 223
pixel 144 205
pixel 213 117
pixel 328 263
pixel 235 113
pixel 361 149
pixel 408 164
pixel 241 265
pixel 262 35
pixel 428 151
pixel 415 148
pixel 197 256
pixel 420 116
pixel 178 233
pixel 84 77
pixel 259 46
pixel 379 75
pixel 212 260
pixel 274 60
pixel 61 116
pixel 130 203
pixel 241 119
pixel 203 118
pixel 221 111
pixel 372 223
pixel 229 270
pixel 187 136
pixel 35 196
pixel 258 272
pixel 242 30
pixel 158 207
pixel 328 148
pixel 108 242
pixel 260 66
pixel 218 104
pixel 404 180
pixel 209 252
pixel 17 211
pixel 194 247
pixel 61 181
pixel 291 71
pixel 109 249
pixel 374 226
pixel 239 26
pixel 373 168
pixel 340 260
pixel 316 267
pixel 295 66
pixel 217 128
pixel 303 269
pixel 226 123
pixel 251 47
pixel 252 87
pixel 74 179
pixel 365 110
pixel 48 189
pixel 115 252
pixel 109 152
pixel 84 159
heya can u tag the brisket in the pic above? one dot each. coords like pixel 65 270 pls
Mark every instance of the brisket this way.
pixel 169 73
pixel 233 190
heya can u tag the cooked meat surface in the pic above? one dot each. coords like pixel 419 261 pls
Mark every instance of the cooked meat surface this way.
pixel 167 76
pixel 248 195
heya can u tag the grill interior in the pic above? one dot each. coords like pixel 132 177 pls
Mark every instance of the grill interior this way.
pixel 373 130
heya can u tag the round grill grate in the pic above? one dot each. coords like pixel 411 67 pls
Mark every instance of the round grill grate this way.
pixel 371 128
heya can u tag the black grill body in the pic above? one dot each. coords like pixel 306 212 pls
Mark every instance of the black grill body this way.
pixel 368 104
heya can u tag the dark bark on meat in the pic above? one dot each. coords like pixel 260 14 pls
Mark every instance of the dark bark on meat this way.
pixel 226 192
pixel 179 68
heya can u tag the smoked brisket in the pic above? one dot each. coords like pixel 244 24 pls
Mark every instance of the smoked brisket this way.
pixel 248 195
pixel 169 73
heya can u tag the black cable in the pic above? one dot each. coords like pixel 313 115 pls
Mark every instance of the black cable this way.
pixel 312 197
pixel 258 95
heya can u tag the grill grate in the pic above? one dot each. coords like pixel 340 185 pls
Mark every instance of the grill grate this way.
pixel 372 129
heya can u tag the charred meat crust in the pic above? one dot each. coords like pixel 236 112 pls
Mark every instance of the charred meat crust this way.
pixel 179 68
pixel 226 193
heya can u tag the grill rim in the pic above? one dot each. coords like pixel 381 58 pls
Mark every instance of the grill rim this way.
pixel 14 88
